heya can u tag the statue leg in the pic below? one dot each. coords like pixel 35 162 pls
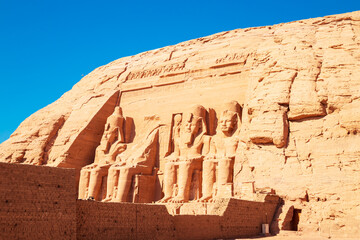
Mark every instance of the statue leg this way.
pixel 225 171
pixel 224 177
pixel 124 184
pixel 95 183
pixel 83 183
pixel 184 181
pixel 208 180
pixel 112 176
pixel 169 181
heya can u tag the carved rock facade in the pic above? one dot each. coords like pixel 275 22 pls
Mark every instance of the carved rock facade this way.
pixel 266 109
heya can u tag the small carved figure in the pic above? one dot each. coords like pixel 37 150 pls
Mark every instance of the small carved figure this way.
pixel 217 184
pixel 141 161
pixel 190 141
pixel 176 134
pixel 111 144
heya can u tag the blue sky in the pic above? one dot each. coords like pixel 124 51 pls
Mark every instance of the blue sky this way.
pixel 46 46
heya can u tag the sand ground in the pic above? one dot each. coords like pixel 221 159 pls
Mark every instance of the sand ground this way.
pixel 292 235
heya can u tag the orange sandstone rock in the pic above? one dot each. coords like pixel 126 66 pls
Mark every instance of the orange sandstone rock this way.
pixel 298 85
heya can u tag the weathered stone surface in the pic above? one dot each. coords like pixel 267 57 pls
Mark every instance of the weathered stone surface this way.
pixel 298 85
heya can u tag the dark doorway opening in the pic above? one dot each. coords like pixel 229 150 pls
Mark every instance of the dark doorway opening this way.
pixel 295 219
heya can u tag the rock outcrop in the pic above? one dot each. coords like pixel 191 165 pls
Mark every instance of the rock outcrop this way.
pixel 298 85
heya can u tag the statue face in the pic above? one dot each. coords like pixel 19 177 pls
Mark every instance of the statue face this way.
pixel 228 123
pixel 191 128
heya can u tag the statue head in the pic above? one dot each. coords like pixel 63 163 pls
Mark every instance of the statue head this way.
pixel 177 120
pixel 118 111
pixel 230 118
pixel 114 121
pixel 194 123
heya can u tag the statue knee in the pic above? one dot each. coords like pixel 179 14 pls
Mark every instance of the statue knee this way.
pixel 124 171
pixel 185 165
pixel 207 164
pixel 95 173
pixel 83 173
pixel 111 172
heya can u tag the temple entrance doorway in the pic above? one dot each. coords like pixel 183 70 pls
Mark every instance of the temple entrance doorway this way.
pixel 295 219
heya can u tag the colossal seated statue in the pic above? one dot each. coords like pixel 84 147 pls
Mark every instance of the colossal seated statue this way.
pixel 218 165
pixel 140 161
pixel 190 141
pixel 111 144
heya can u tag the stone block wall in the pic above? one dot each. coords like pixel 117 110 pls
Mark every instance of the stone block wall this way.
pixel 37 202
pixel 97 220
pixel 240 219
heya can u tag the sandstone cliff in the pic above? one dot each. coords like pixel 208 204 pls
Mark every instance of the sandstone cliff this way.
pixel 298 84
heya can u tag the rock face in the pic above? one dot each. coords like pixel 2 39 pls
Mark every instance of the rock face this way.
pixel 275 107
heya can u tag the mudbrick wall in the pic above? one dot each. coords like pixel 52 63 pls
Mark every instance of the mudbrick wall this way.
pixel 39 202
pixel 229 218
